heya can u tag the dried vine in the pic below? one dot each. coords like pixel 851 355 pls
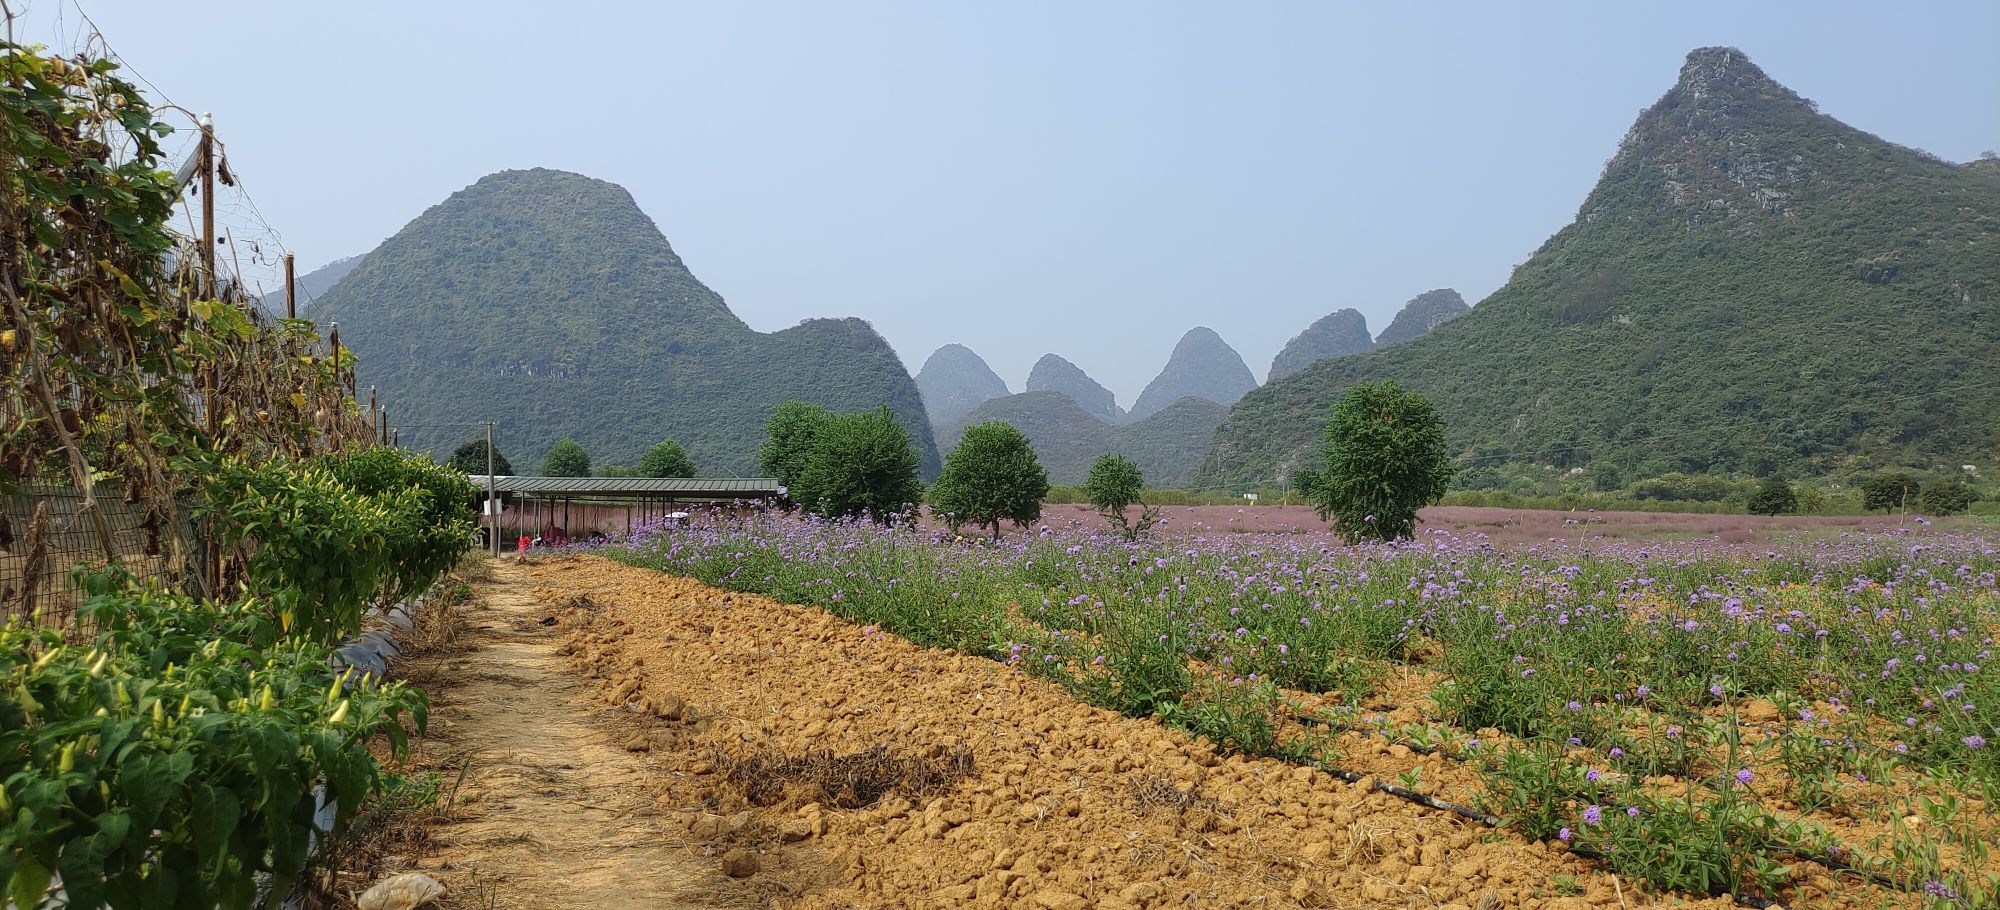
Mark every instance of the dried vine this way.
pixel 121 357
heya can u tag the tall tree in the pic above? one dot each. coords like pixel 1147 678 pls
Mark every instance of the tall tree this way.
pixel 788 440
pixel 470 458
pixel 666 459
pixel 991 477
pixel 1385 459
pixel 1114 485
pixel 1774 497
pixel 1891 491
pixel 566 459
pixel 859 464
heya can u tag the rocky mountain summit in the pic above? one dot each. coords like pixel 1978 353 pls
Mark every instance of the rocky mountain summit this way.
pixel 1201 366
pixel 955 380
pixel 1054 374
pixel 1424 312
pixel 1337 334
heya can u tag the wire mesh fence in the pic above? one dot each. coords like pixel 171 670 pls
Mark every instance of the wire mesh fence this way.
pixel 44 535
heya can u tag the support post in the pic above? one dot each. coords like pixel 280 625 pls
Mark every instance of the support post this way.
pixel 492 502
pixel 206 151
pixel 291 290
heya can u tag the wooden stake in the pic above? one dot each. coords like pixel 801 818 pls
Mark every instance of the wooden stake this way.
pixel 207 152
pixel 291 295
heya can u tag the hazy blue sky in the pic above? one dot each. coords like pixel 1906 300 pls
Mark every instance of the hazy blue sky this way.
pixel 1085 178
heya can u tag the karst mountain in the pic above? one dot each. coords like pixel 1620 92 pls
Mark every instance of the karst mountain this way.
pixel 1421 314
pixel 1337 334
pixel 955 380
pixel 1054 374
pixel 548 302
pixel 1752 286
pixel 1202 365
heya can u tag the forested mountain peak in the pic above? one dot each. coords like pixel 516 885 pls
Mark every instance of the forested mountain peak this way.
pixel 549 302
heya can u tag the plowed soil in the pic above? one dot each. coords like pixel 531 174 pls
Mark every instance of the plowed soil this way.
pixel 759 734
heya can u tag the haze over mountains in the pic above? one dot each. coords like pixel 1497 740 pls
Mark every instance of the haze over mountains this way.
pixel 1751 287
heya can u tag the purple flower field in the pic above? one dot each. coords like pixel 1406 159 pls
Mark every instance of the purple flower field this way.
pixel 1758 702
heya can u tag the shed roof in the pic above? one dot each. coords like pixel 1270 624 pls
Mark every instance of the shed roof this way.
pixel 634 487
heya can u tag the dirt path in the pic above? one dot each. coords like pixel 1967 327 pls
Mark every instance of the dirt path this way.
pixel 556 812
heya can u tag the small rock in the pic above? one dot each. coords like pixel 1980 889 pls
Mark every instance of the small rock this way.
pixel 639 744
pixel 1140 892
pixel 669 707
pixel 401 892
pixel 740 863
pixel 1760 711
pixel 797 829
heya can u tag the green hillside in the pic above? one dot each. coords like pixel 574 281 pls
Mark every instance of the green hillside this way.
pixel 1167 446
pixel 1752 287
pixel 549 302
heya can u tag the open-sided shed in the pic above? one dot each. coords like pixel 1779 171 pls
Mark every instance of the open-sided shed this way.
pixel 568 506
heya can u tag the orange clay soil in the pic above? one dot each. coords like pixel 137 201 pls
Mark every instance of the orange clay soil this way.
pixel 1065 806
pixel 554 811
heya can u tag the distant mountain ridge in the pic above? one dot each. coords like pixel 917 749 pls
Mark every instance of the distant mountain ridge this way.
pixel 955 380
pixel 548 302
pixel 1752 286
pixel 1202 365
pixel 1168 445
pixel 1337 334
pixel 1054 374
pixel 311 286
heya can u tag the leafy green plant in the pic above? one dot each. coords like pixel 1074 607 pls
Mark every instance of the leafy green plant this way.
pixel 1948 497
pixel 1774 497
pixel 566 459
pixel 1891 491
pixel 859 464
pixel 1385 459
pixel 173 763
pixel 1114 485
pixel 991 477
pixel 429 508
pixel 789 434
pixel 666 459
pixel 1234 715
pixel 470 458
pixel 318 551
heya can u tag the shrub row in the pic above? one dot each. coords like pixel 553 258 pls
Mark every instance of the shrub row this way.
pixel 171 762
